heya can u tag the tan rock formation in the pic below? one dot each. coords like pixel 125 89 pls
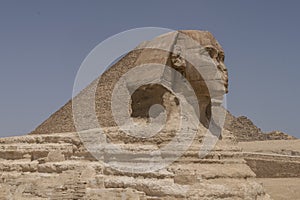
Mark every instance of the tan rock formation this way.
pixel 54 163
pixel 26 173
pixel 187 46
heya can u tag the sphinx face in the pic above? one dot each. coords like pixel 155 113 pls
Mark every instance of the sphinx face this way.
pixel 213 48
pixel 218 57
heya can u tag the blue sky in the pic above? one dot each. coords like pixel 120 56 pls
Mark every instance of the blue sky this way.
pixel 43 43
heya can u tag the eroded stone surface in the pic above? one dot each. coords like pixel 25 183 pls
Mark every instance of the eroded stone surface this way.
pixel 222 174
pixel 53 163
pixel 196 55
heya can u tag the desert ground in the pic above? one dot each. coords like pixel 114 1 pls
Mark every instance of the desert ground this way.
pixel 279 188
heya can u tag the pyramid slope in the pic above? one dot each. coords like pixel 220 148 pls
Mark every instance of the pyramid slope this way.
pixel 62 120
pixel 245 130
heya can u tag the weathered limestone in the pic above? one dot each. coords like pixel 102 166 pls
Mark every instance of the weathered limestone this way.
pixel 195 54
pixel 54 163
pixel 222 174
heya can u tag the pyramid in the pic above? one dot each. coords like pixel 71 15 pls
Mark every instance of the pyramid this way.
pixel 62 158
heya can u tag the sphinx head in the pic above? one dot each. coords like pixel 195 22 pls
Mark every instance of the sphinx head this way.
pixel 213 49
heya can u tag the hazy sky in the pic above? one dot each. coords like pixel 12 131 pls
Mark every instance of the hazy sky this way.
pixel 43 43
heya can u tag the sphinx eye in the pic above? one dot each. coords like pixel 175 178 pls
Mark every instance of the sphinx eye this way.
pixel 211 51
pixel 221 57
